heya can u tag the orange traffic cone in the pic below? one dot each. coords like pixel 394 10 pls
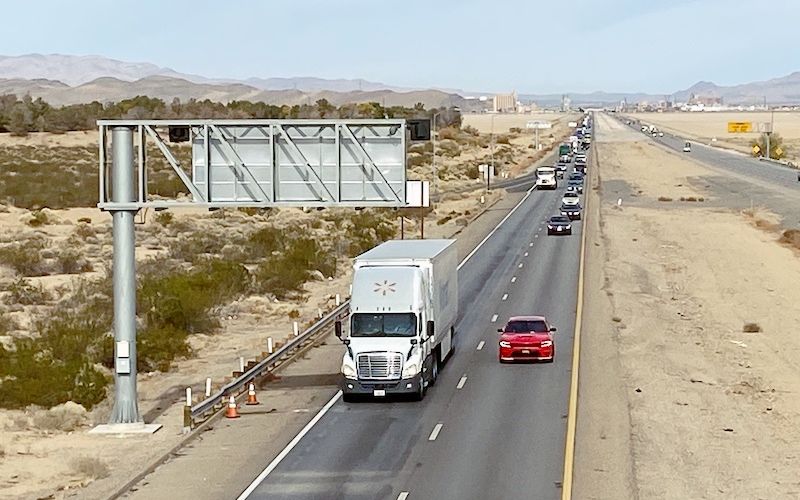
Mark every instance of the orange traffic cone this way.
pixel 231 412
pixel 251 396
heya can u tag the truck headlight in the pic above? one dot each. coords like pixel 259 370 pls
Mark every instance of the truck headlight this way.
pixel 410 370
pixel 348 369
pixel 504 343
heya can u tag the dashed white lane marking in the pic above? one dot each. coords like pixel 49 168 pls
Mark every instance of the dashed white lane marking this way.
pixel 462 382
pixel 505 296
pixel 526 254
pixel 403 495
pixel 535 235
pixel 480 345
pixel 436 430
pixel 513 279
pixel 520 265
pixel 530 244
pixel 494 318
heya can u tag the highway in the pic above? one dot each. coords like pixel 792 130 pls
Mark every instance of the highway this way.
pixel 485 430
pixel 743 179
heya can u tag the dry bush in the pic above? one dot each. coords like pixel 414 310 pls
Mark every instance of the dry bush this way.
pixel 25 293
pixel 65 417
pixel 448 148
pixel 70 261
pixel 502 139
pixel 89 467
pixel 25 257
pixel 791 237
pixel 7 323
pixel 751 328
pixel 664 198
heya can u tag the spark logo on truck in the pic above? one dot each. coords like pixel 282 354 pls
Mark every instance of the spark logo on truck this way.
pixel 403 310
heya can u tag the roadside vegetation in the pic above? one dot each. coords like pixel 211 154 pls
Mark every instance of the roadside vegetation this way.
pixel 68 353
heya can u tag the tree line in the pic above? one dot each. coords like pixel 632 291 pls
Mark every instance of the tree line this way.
pixel 22 116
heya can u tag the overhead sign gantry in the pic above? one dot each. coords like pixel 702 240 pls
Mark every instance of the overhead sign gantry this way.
pixel 235 163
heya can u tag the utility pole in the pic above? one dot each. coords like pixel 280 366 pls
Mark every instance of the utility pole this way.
pixel 433 138
pixel 492 167
pixel 126 409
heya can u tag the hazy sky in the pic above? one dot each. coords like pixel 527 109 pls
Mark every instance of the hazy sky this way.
pixel 532 46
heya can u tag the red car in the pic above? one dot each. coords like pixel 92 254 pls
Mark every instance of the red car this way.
pixel 527 338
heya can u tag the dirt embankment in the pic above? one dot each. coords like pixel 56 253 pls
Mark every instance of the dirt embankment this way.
pixel 697 313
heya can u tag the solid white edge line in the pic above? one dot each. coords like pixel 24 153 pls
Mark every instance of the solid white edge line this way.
pixel 277 460
pixel 403 495
pixel 480 345
pixel 474 250
pixel 494 318
pixel 436 430
pixel 462 382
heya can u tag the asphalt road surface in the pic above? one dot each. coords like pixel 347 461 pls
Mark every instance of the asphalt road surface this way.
pixel 485 430
pixel 744 181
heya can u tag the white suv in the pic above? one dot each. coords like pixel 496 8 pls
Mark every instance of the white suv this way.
pixel 570 198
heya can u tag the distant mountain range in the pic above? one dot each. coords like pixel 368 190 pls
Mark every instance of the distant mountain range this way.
pixel 783 90
pixel 66 79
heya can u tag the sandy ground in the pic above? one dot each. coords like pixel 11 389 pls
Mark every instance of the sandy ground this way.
pixel 38 463
pixel 504 121
pixel 713 127
pixel 712 409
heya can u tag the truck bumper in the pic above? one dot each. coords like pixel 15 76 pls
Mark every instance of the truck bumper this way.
pixel 364 387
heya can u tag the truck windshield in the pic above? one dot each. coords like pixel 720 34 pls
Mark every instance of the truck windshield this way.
pixel 383 325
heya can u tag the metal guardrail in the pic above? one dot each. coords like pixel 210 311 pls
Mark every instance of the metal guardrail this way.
pixel 217 401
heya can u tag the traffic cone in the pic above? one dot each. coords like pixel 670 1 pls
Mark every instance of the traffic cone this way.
pixel 251 396
pixel 231 412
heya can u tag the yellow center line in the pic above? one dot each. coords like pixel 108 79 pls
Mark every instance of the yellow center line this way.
pixel 572 408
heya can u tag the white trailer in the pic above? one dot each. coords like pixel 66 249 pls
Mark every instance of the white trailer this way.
pixel 403 310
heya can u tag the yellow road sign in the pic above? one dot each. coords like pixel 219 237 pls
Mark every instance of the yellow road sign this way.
pixel 739 127
pixel 756 149
pixel 778 152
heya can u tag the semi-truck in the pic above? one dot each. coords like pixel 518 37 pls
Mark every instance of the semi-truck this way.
pixel 403 310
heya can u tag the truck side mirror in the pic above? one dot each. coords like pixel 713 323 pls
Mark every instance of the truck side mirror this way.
pixel 337 327
pixel 553 329
pixel 429 330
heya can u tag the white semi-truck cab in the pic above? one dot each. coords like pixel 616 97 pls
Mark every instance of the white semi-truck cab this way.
pixel 403 309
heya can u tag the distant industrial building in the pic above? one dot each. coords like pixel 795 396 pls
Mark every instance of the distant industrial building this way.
pixel 505 103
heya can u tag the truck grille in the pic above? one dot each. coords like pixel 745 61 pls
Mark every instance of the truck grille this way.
pixel 380 365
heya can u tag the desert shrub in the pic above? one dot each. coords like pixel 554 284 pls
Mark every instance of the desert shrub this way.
pixel 791 237
pixel 294 314
pixel 418 160
pixel 421 147
pixel 159 346
pixel 751 328
pixel 502 139
pixel 469 129
pixel 38 218
pixel 34 374
pixel 65 417
pixel 84 230
pixel 183 300
pixel 447 133
pixel 368 229
pixel 263 242
pixel 449 148
pixel 22 291
pixel 664 198
pixel 192 247
pixel 473 172
pixel 515 130
pixel 25 258
pixel 164 218
pixel 7 323
pixel 70 261
pixel 89 467
pixel 283 275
